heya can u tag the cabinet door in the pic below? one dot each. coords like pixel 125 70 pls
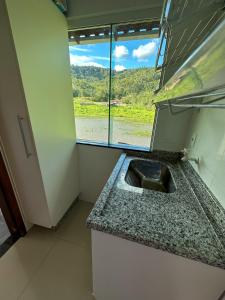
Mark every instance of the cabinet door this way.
pixel 16 142
pixel 124 269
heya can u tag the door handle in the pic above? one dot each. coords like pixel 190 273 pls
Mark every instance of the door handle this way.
pixel 26 148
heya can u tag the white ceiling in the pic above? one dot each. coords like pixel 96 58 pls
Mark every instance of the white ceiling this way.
pixel 83 13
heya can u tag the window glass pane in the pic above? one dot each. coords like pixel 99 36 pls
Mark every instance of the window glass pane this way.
pixel 133 81
pixel 115 64
pixel 90 61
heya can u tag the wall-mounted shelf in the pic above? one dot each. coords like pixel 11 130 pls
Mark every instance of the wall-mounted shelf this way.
pixel 185 25
pixel 181 102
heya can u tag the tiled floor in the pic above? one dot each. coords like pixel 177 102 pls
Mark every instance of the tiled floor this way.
pixel 50 265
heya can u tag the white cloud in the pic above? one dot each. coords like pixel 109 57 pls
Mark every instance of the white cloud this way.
pixel 82 60
pixel 76 48
pixel 144 51
pixel 121 51
pixel 100 57
pixel 78 59
pixel 94 64
pixel 119 68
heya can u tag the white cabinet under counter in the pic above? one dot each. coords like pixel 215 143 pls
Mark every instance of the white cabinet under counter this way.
pixel 124 269
pixel 153 244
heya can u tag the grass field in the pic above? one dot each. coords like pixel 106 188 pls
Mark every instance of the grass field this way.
pixel 130 113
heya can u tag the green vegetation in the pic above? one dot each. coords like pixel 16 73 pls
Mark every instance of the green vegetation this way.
pixel 132 93
pixel 133 87
pixel 128 112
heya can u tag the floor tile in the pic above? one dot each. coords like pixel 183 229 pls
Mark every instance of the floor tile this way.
pixel 65 274
pixel 19 263
pixel 73 227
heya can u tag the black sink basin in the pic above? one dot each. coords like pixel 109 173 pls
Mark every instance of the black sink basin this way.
pixel 149 174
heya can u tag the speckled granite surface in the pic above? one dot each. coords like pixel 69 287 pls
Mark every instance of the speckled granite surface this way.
pixel 175 222
pixel 213 209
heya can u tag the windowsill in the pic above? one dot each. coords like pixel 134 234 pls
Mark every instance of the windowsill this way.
pixel 114 146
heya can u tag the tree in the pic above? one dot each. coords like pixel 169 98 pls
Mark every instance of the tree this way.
pixel 134 86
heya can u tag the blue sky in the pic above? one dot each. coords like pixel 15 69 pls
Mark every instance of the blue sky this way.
pixel 126 54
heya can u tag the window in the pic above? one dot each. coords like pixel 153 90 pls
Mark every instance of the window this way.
pixel 90 70
pixel 114 79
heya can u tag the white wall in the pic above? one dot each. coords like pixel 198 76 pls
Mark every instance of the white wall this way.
pixel 96 165
pixel 171 131
pixel 41 42
pixel 207 141
pixel 99 12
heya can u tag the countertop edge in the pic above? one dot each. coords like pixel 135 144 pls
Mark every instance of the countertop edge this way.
pixel 100 203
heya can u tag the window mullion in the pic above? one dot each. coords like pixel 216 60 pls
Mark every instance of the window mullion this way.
pixel 110 87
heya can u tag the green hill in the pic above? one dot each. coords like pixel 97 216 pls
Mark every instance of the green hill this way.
pixel 133 86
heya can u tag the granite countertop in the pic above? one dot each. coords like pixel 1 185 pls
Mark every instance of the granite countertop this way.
pixel 188 222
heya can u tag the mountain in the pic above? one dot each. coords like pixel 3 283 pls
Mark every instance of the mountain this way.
pixel 83 72
pixel 133 86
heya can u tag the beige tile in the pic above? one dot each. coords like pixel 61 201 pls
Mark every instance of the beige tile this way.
pixel 22 259
pixel 73 227
pixel 64 274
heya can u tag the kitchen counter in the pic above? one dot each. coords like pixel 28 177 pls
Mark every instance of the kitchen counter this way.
pixel 183 222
